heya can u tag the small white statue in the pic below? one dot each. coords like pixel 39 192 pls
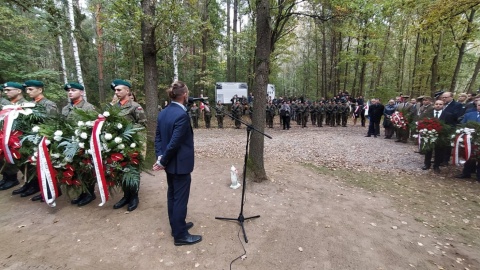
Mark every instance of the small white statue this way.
pixel 234 177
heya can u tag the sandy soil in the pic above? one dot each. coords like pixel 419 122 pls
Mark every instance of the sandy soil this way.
pixel 309 218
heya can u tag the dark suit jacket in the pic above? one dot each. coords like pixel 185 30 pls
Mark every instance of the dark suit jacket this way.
pixel 446 117
pixel 375 112
pixel 174 140
pixel 454 108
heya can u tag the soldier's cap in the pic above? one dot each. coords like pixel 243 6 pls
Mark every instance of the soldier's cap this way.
pixel 420 98
pixel 13 85
pixel 439 93
pixel 33 83
pixel 74 85
pixel 406 96
pixel 118 82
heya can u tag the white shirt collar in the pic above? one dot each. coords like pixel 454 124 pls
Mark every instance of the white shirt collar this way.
pixel 181 105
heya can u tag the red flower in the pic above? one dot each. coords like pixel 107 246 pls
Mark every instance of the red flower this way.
pixel 116 156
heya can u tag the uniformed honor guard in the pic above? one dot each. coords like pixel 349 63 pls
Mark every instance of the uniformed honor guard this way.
pixel 76 92
pixel 194 111
pixel 14 92
pixel 219 114
pixel 135 113
pixel 35 90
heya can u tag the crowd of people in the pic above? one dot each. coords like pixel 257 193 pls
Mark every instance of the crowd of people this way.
pixel 34 89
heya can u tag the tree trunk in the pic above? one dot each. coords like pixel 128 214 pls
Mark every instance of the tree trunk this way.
pixel 474 77
pixel 383 57
pixel 345 79
pixel 415 88
pixel 76 55
pixel 324 61
pixel 229 53
pixel 364 65
pixel 235 38
pixel 461 50
pixel 149 51
pixel 262 63
pixel 434 67
pixel 99 30
pixel 62 59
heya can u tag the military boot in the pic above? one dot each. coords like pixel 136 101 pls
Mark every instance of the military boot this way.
pixel 10 181
pixel 22 189
pixel 133 203
pixel 89 197
pixel 123 201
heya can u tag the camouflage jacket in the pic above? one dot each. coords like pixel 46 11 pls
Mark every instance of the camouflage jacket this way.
pixel 50 106
pixel 134 112
pixel 68 111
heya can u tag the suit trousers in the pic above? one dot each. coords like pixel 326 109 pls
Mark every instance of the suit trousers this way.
pixel 178 193
pixel 437 159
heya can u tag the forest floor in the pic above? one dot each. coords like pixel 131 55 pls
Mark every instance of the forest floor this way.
pixel 334 200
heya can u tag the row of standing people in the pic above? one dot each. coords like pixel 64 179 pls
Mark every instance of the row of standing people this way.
pixel 123 98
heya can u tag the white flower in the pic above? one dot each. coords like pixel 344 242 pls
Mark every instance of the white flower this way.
pixel 83 135
pixel 81 145
pixel 118 139
pixel 47 142
pixel 108 136
pixel 68 160
pixel 77 132
pixel 121 146
pixel 89 123
pixel 133 145
pixel 55 155
pixel 119 125
pixel 57 138
pixel 27 111
pixel 89 151
pixel 58 133
pixel 106 114
pixel 35 154
pixel 34 158
pixel 81 123
pixel 35 129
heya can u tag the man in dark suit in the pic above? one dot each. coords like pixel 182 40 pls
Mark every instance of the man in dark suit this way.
pixel 375 113
pixel 471 165
pixel 457 110
pixel 447 118
pixel 175 152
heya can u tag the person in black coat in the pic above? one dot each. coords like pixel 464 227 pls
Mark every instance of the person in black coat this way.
pixel 440 150
pixel 375 113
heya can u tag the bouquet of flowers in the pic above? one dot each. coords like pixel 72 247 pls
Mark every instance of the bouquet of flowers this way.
pixel 115 145
pixel 431 132
pixel 399 121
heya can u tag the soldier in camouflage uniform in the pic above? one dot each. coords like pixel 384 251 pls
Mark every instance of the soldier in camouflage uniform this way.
pixel 237 112
pixel 304 111
pixel 320 110
pixel 75 94
pixel 313 113
pixel 269 114
pixel 194 111
pixel 344 111
pixel 35 90
pixel 132 111
pixel 329 109
pixel 207 114
pixel 219 114
pixel 298 112
pixel 293 110
pixel 338 115
pixel 14 92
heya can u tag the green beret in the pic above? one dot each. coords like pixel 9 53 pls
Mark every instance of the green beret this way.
pixel 73 85
pixel 120 82
pixel 14 85
pixel 33 83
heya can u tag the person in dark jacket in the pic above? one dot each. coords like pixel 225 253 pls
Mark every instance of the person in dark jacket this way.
pixel 375 112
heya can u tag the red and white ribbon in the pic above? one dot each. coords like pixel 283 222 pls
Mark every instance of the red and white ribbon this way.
pixel 47 177
pixel 466 137
pixel 96 148
pixel 8 114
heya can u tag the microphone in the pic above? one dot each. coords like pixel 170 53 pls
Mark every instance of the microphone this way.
pixel 192 99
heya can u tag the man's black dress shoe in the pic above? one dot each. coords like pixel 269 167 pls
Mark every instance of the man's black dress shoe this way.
pixel 77 200
pixel 133 203
pixel 88 198
pixel 189 239
pixel 123 201
pixel 462 176
pixel 368 136
pixel 425 168
pixel 188 226
pixel 9 184
pixel 29 191
pixel 2 182
pixel 21 190
pixel 37 197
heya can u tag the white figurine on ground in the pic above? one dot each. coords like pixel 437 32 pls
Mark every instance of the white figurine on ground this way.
pixel 234 177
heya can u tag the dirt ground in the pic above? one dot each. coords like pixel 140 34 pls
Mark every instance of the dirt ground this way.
pixel 318 211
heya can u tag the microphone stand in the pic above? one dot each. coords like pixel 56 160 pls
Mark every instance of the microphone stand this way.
pixel 241 219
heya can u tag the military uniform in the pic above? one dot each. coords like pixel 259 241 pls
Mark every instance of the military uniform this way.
pixel 344 111
pixel 237 112
pixel 313 113
pixel 329 112
pixel 68 111
pixel 304 113
pixel 132 111
pixel 269 114
pixel 220 114
pixel 208 115
pixel 338 115
pixel 50 106
pixel 194 111
pixel 320 110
